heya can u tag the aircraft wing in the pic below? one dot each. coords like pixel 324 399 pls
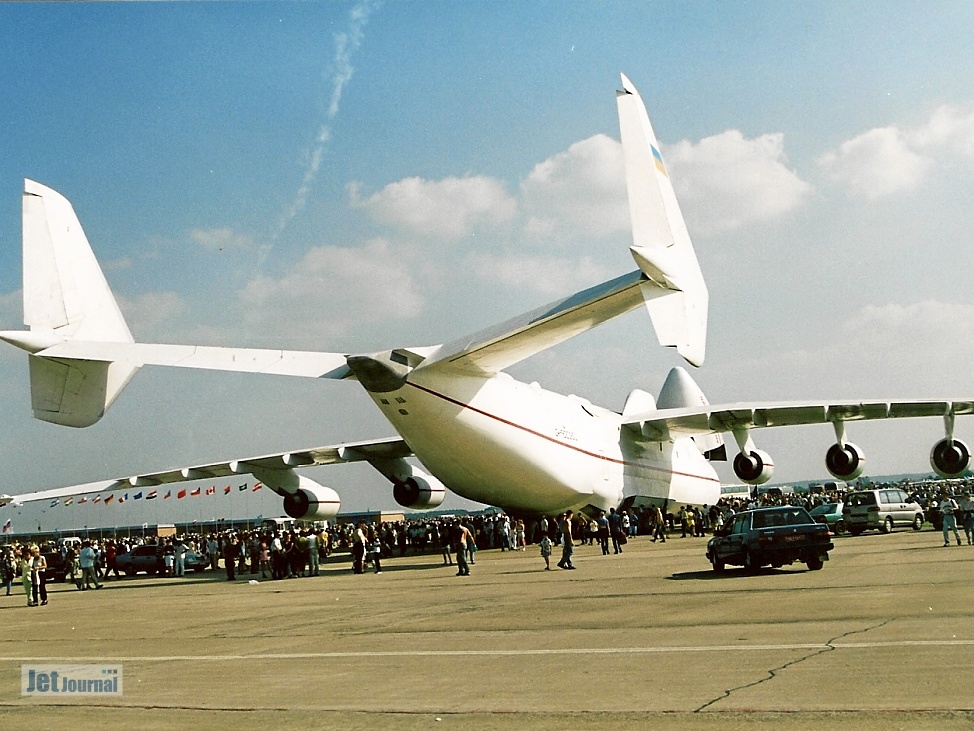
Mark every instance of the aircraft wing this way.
pixel 387 448
pixel 664 424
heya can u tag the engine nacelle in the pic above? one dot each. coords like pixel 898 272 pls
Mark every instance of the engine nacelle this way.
pixel 312 501
pixel 845 463
pixel 950 458
pixel 419 493
pixel 754 468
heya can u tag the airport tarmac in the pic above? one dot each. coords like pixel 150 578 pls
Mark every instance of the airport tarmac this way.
pixel 882 637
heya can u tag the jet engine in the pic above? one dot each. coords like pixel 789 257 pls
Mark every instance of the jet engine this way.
pixel 754 468
pixel 419 493
pixel 312 501
pixel 845 462
pixel 950 458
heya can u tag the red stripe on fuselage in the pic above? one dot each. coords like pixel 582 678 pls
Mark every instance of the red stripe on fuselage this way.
pixel 532 432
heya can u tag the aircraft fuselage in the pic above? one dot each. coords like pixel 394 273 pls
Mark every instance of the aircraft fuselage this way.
pixel 502 442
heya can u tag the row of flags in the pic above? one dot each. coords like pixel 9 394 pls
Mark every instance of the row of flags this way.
pixel 151 495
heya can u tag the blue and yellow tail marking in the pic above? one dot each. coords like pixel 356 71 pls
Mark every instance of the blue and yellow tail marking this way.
pixel 658 159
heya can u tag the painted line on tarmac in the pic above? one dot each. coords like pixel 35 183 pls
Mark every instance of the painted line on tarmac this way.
pixel 495 653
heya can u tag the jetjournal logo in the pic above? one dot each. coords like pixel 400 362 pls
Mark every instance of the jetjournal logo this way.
pixel 66 680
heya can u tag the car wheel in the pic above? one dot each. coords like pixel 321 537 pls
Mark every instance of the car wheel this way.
pixel 918 522
pixel 888 525
pixel 839 526
pixel 129 570
pixel 717 564
pixel 814 564
pixel 857 531
pixel 750 565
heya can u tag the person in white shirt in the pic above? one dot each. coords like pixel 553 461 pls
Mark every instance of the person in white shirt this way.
pixel 948 508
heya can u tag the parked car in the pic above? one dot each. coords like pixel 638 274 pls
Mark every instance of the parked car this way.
pixel 57 568
pixel 830 514
pixel 770 536
pixel 881 510
pixel 147 559
pixel 195 561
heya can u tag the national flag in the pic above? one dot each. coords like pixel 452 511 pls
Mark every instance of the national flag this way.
pixel 54 503
pixel 167 495
pixel 109 499
pixel 137 496
pixel 195 493
pixel 257 486
pixel 97 499
pixel 226 490
pixel 180 495
pixel 152 495
pixel 123 498
pixel 84 499
pixel 8 526
pixel 242 488
pixel 68 501
pixel 211 491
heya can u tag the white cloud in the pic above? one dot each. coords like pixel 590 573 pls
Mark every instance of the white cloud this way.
pixel 948 128
pixel 581 191
pixel 331 291
pixel 546 275
pixel 927 325
pixel 151 313
pixel 727 181
pixel 889 160
pixel 220 239
pixel 447 209
pixel 876 164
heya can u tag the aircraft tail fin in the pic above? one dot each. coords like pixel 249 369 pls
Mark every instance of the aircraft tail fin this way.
pixel 676 295
pixel 66 297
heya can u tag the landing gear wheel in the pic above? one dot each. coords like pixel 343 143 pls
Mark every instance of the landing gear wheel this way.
pixel 888 525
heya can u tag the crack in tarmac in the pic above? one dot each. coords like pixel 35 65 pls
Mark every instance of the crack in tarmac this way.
pixel 773 672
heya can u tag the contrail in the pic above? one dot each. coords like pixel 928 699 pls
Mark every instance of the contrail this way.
pixel 346 44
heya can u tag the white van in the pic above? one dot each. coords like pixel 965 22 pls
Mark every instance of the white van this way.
pixel 880 509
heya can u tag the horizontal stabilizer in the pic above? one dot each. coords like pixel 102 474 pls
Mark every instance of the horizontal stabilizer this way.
pixel 241 360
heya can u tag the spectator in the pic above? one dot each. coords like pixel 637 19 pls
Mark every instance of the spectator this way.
pixel 86 560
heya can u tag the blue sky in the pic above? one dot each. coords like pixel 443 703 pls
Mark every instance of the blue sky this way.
pixel 347 176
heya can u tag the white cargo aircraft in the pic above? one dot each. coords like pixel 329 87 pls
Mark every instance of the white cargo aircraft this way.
pixel 473 428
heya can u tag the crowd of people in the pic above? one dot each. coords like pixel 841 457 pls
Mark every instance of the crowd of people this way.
pixel 278 553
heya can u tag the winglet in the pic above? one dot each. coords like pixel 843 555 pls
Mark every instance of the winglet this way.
pixel 676 296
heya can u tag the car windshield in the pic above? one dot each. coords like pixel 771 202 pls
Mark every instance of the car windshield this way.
pixel 775 518
pixel 827 508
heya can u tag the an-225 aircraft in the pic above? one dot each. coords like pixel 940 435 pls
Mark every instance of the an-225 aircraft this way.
pixel 474 429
